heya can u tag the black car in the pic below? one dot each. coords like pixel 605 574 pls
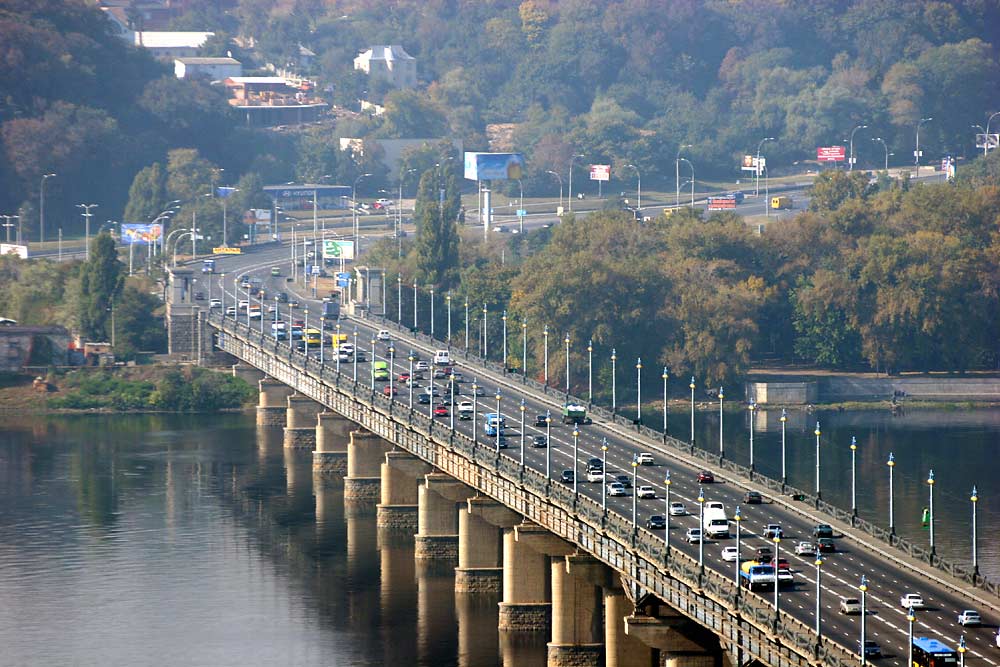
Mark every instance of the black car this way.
pixel 282 297
pixel 567 476
pixel 753 498
pixel 872 649
pixel 656 522
pixel 539 441
pixel 624 480
pixel 539 420
pixel 595 464
pixel 424 399
pixel 502 441
pixel 764 554
pixel 826 545
pixel 359 355
pixel 823 530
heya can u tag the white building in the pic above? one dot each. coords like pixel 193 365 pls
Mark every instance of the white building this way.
pixel 171 45
pixel 391 63
pixel 213 69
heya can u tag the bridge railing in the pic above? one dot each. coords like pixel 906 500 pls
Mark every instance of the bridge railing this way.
pixel 709 597
pixel 960 571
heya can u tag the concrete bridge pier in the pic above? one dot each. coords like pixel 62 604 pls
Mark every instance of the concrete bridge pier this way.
pixel 400 472
pixel 437 517
pixel 479 546
pixel 272 403
pixel 525 606
pixel 578 611
pixel 332 434
pixel 365 453
pixel 678 640
pixel 300 422
pixel 622 650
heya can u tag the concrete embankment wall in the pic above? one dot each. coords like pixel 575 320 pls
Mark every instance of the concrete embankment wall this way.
pixel 836 389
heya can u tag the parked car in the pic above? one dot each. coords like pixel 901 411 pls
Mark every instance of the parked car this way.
pixel 656 522
pixel 911 601
pixel 616 489
pixel 970 617
pixel 693 535
pixel 645 491
pixel 753 498
pixel 826 545
pixel 850 606
pixel 539 441
pixel 567 476
pixel 678 509
pixel 805 549
pixel 730 554
pixel 645 459
pixel 705 477
pixel 823 530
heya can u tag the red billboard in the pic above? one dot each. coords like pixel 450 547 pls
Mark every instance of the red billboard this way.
pixel 831 154
pixel 721 203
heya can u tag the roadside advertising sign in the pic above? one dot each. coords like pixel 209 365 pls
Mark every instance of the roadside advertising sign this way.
pixel 257 216
pixel 753 163
pixel 13 249
pixel 830 154
pixel 493 166
pixel 224 250
pixel 337 249
pixel 600 172
pixel 140 233
pixel 988 141
pixel 721 203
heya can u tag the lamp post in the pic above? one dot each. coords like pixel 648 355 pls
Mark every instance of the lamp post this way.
pixel 486 347
pixel 666 514
pixel 752 407
pixel 691 387
pixel 392 367
pixel 975 546
pixel 576 458
pixel 431 290
pixel 892 464
pixel 399 299
pixel 738 518
pixel 548 446
pixel 784 473
pixel 356 356
pixel 430 403
pixel 665 376
pixel 322 328
pixel 885 148
pixel 503 320
pixel 354 211
pixel 859 127
pixel 41 208
pixel 864 612
pixel 451 410
pixel 961 650
pixel 777 552
pixel 545 357
pixel 557 175
pixel 372 365
pixel 409 383
pixel 691 165
pixel 638 390
pixel 86 229
pixel 466 327
pixel 475 412
pixel 854 477
pixel 524 349
pixel 817 433
pixel 910 618
pixel 638 177
pixel 570 199
pixel 701 523
pixel 590 372
pixel 414 306
pixel 614 382
pixel 756 187
pixel 988 121
pixel 521 407
pixel 566 341
pixel 819 591
pixel 447 300
pixel 635 496
pixel 722 450
pixel 399 212
pixel 930 507
pixel 916 150
pixel 677 175
pixel 305 328
pixel 604 467
pixel 499 419
pixel 337 328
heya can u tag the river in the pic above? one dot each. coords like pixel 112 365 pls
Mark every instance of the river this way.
pixel 157 539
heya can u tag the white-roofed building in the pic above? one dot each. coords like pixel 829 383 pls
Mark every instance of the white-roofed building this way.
pixel 390 63
pixel 214 69
pixel 171 45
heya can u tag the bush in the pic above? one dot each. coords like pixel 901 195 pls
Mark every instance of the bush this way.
pixel 193 390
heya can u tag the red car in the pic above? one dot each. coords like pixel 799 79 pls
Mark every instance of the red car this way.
pixel 390 390
pixel 440 411
pixel 403 377
pixel 705 477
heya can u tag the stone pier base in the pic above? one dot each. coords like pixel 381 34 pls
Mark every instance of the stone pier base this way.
pixel 525 616
pixel 401 518
pixel 363 488
pixel 575 655
pixel 330 464
pixel 478 580
pixel 270 416
pixel 436 547
pixel 300 438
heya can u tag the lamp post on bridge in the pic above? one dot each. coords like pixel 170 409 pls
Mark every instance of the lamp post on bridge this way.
pixel 665 376
pixel 738 518
pixel 819 607
pixel 691 386
pixel 974 498
pixel 701 537
pixel 817 433
pixel 566 341
pixel 638 391
pixel 864 612
pixel 548 447
pixel 892 464
pixel 590 372
pixel 930 518
pixel 614 376
pixel 666 515
pixel 722 446
pixel 576 458
pixel 604 486
pixel 752 407
pixel 545 357
pixel 784 473
pixel 524 350
pixel 854 478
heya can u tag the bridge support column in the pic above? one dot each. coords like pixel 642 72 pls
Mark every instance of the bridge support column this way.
pixel 272 402
pixel 525 606
pixel 398 508
pixel 365 453
pixel 621 650
pixel 300 422
pixel 332 434
pixel 577 611
pixel 479 553
pixel 437 516
pixel 680 641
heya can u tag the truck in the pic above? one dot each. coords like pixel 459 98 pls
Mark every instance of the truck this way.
pixel 330 310
pixel 754 576
pixel 494 424
pixel 208 266
pixel 781 202
pixel 716 522
pixel 573 413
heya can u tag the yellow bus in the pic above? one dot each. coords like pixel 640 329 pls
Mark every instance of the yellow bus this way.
pixel 312 336
pixel 337 339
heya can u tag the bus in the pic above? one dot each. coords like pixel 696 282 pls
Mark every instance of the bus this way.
pixel 929 652
pixel 338 339
pixel 492 423
pixel 380 371
pixel 312 337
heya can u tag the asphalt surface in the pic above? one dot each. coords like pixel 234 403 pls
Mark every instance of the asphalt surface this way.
pixel 841 571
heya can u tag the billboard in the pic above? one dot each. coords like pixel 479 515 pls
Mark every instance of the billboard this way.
pixel 225 250
pixel 721 203
pixel 336 249
pixel 830 154
pixel 224 192
pixel 493 166
pixel 988 141
pixel 752 163
pixel 12 249
pixel 257 216
pixel 600 172
pixel 141 233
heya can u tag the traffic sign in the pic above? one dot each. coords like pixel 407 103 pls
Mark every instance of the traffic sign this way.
pixel 521 213
pixel 343 279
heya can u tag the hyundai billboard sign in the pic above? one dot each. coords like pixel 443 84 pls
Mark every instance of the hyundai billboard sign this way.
pixel 140 233
pixel 494 166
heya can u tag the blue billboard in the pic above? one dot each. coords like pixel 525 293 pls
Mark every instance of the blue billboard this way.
pixel 493 166
pixel 140 233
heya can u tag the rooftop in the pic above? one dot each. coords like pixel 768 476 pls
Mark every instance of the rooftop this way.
pixel 171 40
pixel 387 52
pixel 258 79
pixel 208 61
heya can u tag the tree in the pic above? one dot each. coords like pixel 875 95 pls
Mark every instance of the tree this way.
pixel 436 247
pixel 188 174
pixel 136 329
pixel 410 115
pixel 830 189
pixel 148 194
pixel 100 283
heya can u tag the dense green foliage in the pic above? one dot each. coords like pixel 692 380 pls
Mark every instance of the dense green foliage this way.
pixel 192 390
pixel 101 281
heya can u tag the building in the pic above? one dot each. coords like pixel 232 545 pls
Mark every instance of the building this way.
pixel 22 346
pixel 213 69
pixel 389 63
pixel 273 100
pixel 171 45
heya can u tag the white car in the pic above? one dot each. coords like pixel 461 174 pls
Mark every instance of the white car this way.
pixel 231 311
pixel 730 554
pixel 678 509
pixel 805 549
pixel 384 335
pixel 644 459
pixel 431 391
pixel 911 601
pixel 616 489
pixel 645 492
pixel 215 303
pixel 421 366
pixel 594 476
pixel 346 348
pixel 970 617
pixel 693 535
pixel 850 606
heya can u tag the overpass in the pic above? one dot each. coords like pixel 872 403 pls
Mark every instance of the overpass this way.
pixel 575 563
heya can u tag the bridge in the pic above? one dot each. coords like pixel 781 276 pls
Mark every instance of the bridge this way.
pixel 567 561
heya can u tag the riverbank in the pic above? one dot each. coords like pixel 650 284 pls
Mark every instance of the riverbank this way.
pixel 152 388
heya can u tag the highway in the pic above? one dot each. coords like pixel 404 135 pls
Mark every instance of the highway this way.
pixel 841 571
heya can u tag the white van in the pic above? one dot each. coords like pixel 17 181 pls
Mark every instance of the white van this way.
pixel 716 522
pixel 442 358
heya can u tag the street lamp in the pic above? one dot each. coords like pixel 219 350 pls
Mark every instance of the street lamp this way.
pixel 638 177
pixel 701 523
pixel 557 175
pixel 499 419
pixel 466 327
pixel 338 351
pixel 524 349
pixel 431 290
pixel 322 327
pixel 930 507
pixel 566 341
pixel 752 407
pixel 451 410
pixel 590 372
pixel 864 612
pixel 409 382
pixel 738 518
pixel 305 328
pixel 614 382
pixel 784 475
pixel 819 590
pixel 604 467
pixel 885 148
pixel 756 187
pixel 41 209
pixel 414 306
pixel 355 379
pixel 975 550
pixel 817 433
pixel 86 230
pixel 988 121
pixel 638 390
pixel 372 364
pixel 392 361
pixel 486 342
pixel 576 457
pixel 522 432
pixel 399 299
pixel 447 300
pixel 691 165
pixel 859 127
pixel 916 151
pixel 854 477
pixel 777 552
pixel 635 496
pixel 677 174
pixel 548 446
pixel 892 464
pixel 503 320
pixel 691 387
pixel 722 451
pixel 545 374
pixel 961 650
pixel 665 376
pixel 666 514
pixel 570 202
pixel 475 411
pixel 354 212
pixel 910 618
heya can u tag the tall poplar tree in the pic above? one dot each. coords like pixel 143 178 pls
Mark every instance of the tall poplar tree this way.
pixel 436 247
pixel 101 281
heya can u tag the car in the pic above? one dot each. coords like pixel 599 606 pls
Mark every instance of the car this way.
pixel 215 303
pixel 539 441
pixel 850 606
pixel 826 545
pixel 772 531
pixel 478 391
pixel 293 303
pixel 231 311
pixel 970 617
pixel 823 530
pixel 432 391
pixel 624 480
pixel 404 377
pixel 595 463
pixel 645 491
pixel 753 498
pixel 501 441
pixel 540 420
pixel 693 535
pixel 678 509
pixel 567 476
pixel 466 406
pixel 424 399
pixel 911 601
pixel 360 355
pixel 616 489
pixel 730 554
pixel 656 522
pixel 389 390
pixel 805 549
pixel 871 649
pixel 245 283
pixel 458 377
pixel 282 297
pixel 595 476
pixel 763 554
pixel 384 335
pixel 275 271
pixel 440 373
pixel 705 477
pixel 422 366
pixel 645 459
pixel 442 411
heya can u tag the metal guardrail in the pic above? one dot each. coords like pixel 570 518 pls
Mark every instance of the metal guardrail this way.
pixel 960 571
pixel 710 598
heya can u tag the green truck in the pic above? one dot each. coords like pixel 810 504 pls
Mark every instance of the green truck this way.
pixel 575 414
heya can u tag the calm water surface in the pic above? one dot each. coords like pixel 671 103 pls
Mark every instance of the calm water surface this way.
pixel 154 540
